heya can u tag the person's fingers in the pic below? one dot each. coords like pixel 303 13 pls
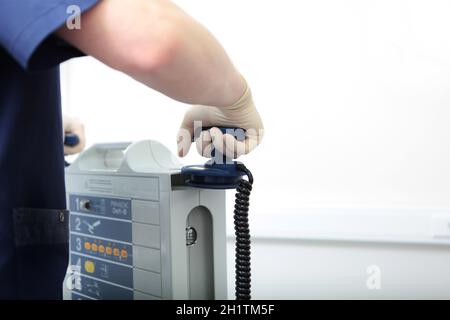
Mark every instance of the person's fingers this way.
pixel 184 140
pixel 190 124
pixel 69 150
pixel 204 144
pixel 79 131
pixel 233 148
pixel 75 127
pixel 253 138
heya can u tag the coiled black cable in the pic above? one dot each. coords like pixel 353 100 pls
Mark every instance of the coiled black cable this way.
pixel 242 232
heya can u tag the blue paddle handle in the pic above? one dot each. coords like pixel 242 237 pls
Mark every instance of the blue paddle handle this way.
pixel 71 140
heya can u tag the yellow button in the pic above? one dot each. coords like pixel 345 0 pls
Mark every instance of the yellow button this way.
pixel 108 250
pixel 101 249
pixel 124 253
pixel 94 247
pixel 89 266
pixel 87 246
pixel 116 252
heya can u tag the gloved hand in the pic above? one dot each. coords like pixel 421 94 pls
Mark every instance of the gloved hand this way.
pixel 242 114
pixel 76 127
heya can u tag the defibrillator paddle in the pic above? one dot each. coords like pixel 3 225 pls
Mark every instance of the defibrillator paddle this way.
pixel 223 173
pixel 70 140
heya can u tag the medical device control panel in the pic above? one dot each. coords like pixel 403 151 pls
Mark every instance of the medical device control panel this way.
pixel 137 232
pixel 101 246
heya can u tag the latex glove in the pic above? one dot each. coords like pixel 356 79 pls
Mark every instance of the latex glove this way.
pixel 242 114
pixel 74 126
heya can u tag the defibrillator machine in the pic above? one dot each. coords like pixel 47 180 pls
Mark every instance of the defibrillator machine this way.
pixel 143 227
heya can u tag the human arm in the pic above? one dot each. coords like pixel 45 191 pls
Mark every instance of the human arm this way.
pixel 158 44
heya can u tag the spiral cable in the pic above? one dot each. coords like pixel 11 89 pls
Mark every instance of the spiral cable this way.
pixel 242 232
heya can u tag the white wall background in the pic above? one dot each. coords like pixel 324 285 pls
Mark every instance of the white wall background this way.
pixel 355 97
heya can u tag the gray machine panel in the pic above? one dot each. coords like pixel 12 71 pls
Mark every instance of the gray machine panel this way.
pixel 146 212
pixel 147 258
pixel 147 282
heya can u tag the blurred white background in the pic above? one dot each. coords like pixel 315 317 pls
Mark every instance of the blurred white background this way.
pixel 355 96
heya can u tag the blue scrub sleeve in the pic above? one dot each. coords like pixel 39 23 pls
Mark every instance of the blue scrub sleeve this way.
pixel 27 27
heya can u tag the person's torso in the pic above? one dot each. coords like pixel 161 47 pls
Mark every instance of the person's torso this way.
pixel 31 141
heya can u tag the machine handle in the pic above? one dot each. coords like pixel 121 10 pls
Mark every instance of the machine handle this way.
pixel 71 140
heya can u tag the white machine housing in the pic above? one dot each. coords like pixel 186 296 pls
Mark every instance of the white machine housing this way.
pixel 137 232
